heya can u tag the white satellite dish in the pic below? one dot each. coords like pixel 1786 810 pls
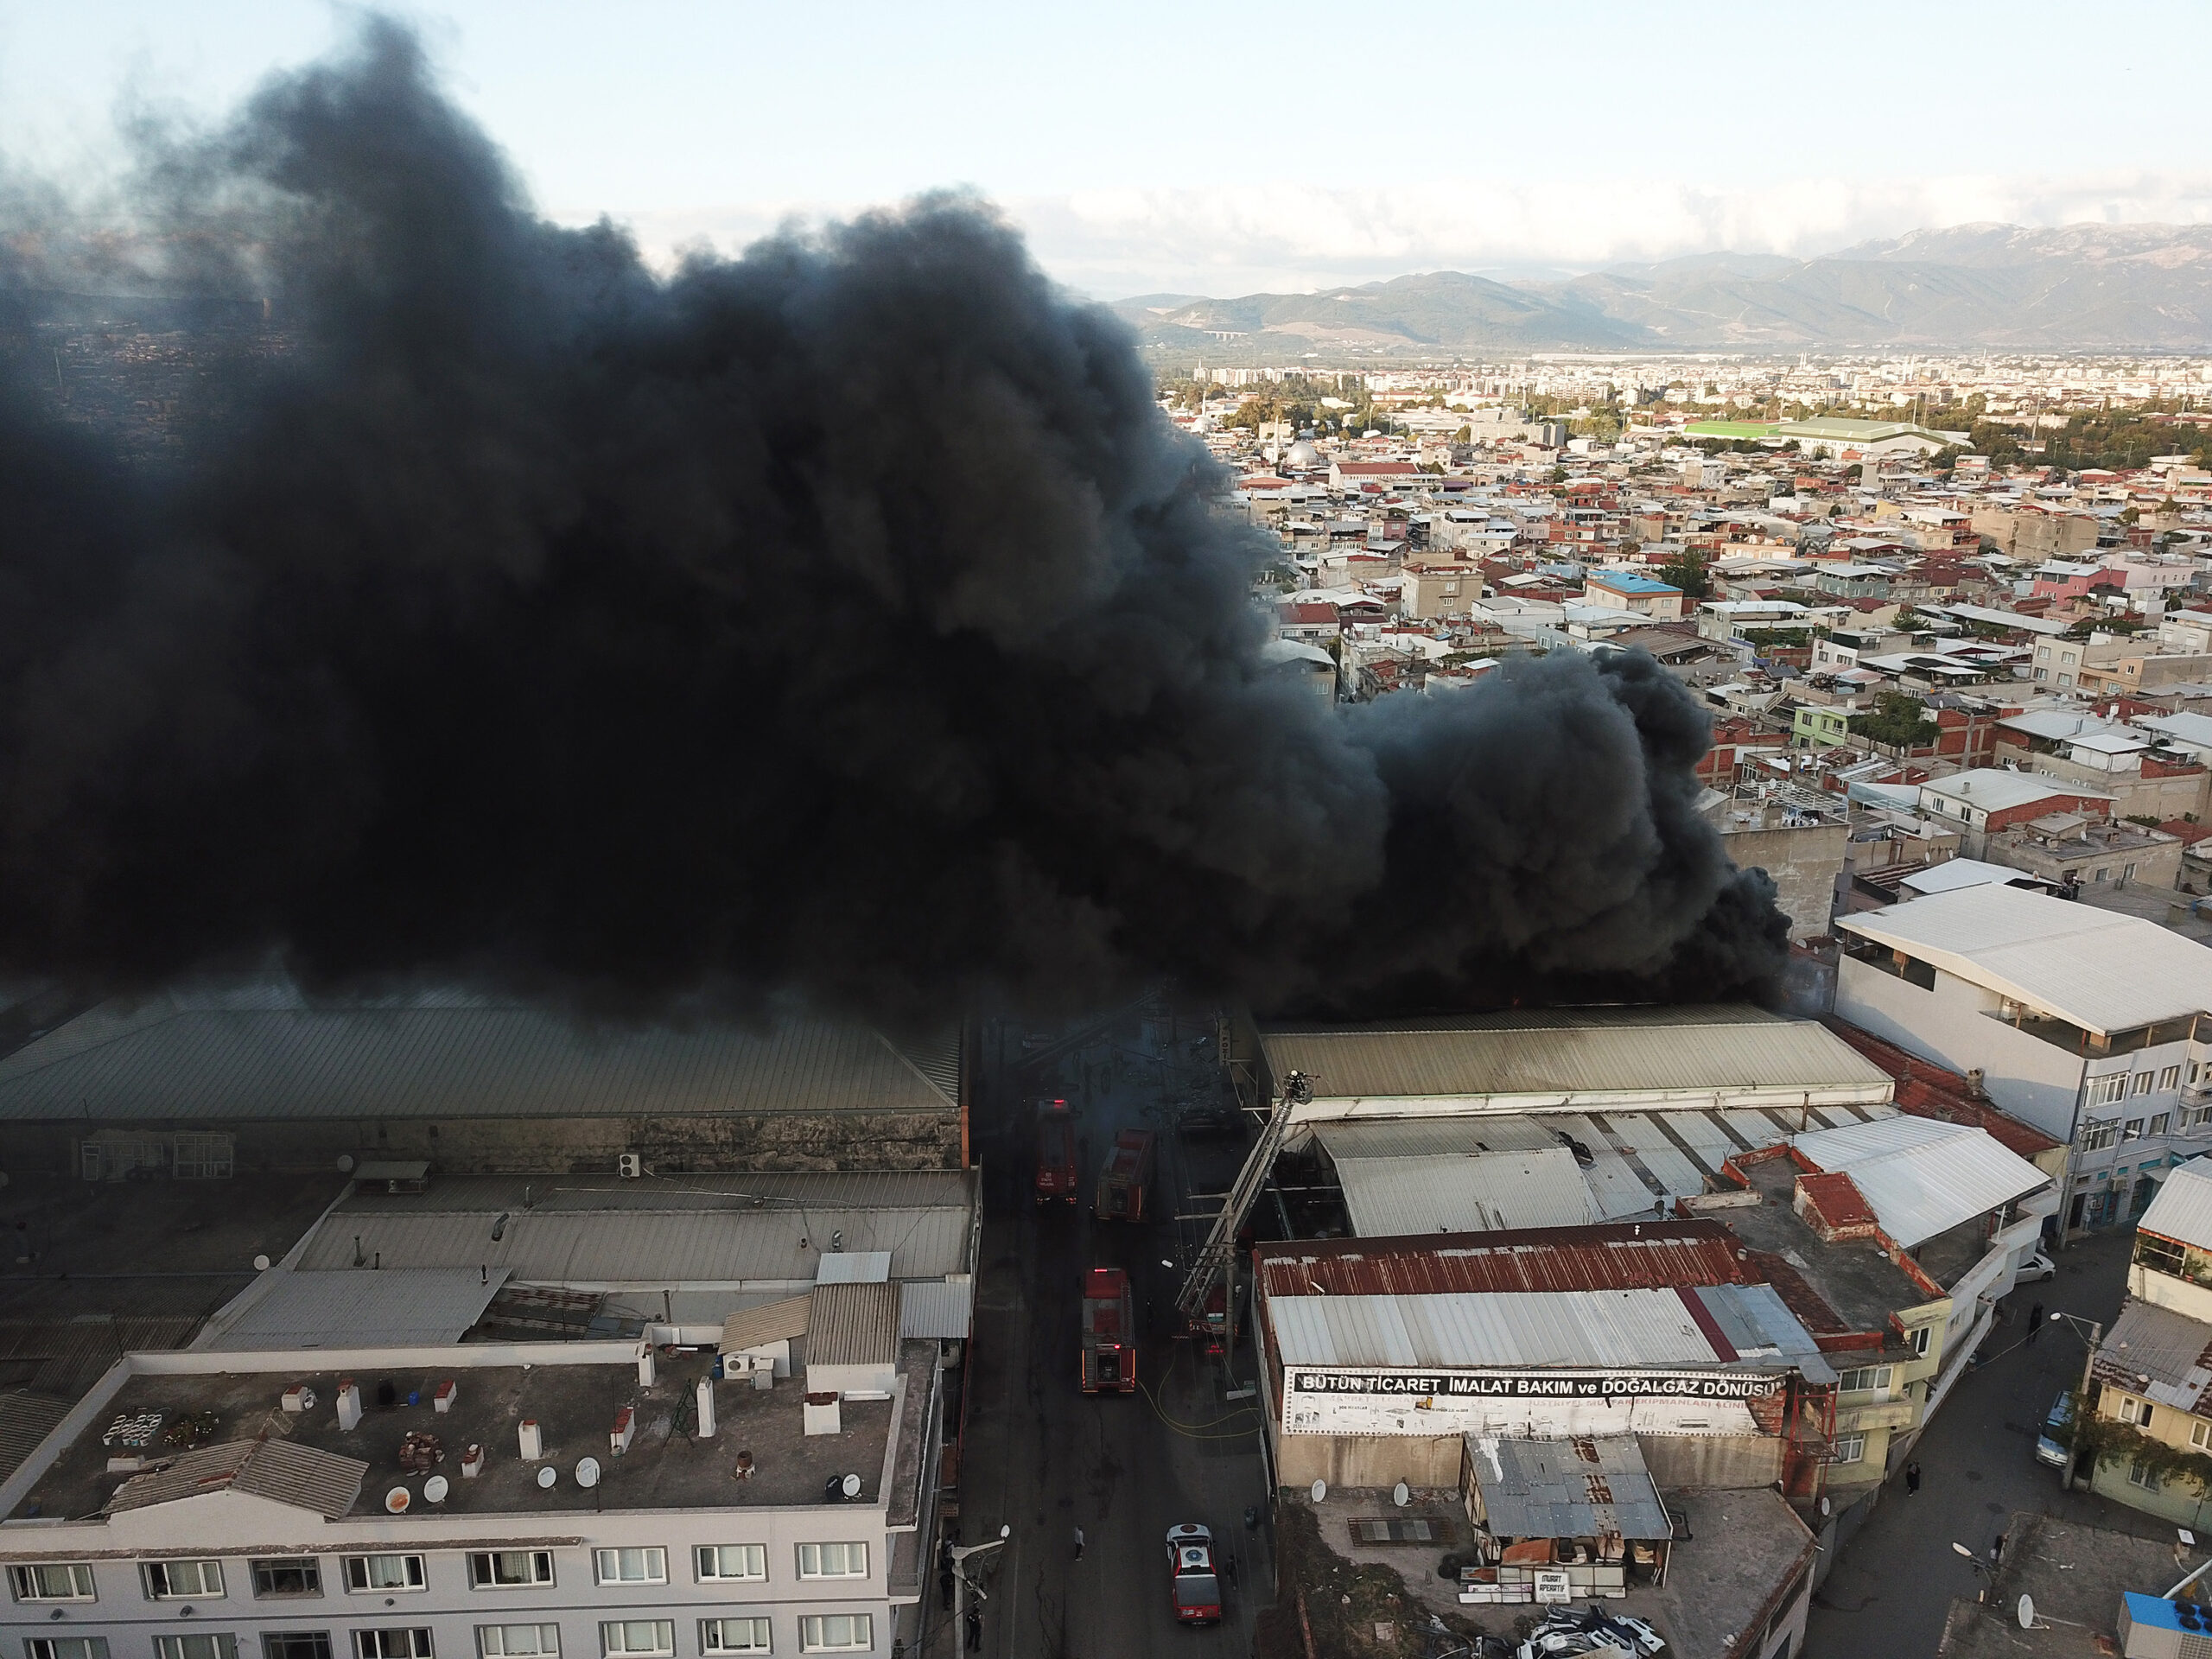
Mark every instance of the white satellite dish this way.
pixel 396 1500
pixel 588 1473
pixel 345 1163
pixel 1402 1494
pixel 1320 1490
pixel 547 1476
pixel 850 1486
pixel 435 1490
pixel 2026 1611
pixel 261 1264
pixel 1825 1505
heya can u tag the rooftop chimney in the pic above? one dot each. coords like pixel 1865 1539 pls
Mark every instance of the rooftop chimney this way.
pixel 349 1405
pixel 532 1441
pixel 706 1407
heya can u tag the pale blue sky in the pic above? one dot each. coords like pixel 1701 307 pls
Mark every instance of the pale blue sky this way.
pixel 1206 149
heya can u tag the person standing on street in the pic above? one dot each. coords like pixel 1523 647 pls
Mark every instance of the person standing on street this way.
pixel 1078 1543
pixel 2035 1323
pixel 975 1630
pixel 1911 1478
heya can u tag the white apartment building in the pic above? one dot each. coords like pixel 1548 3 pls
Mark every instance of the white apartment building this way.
pixel 2090 1025
pixel 595 1500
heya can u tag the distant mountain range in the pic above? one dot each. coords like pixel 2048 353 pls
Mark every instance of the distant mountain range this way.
pixel 2083 287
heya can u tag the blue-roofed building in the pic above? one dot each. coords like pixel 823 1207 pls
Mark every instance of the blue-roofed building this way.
pixel 1623 590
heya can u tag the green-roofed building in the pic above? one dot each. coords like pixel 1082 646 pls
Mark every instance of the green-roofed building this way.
pixel 1863 438
pixel 1732 431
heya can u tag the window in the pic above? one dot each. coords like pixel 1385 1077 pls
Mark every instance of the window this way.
pixel 1919 1338
pixel 837 1633
pixel 52 1581
pixel 833 1561
pixel 1867 1379
pixel 295 1644
pixel 403 1643
pixel 648 1565
pixel 499 1569
pixel 2170 1080
pixel 289 1576
pixel 517 1641
pixel 2099 1136
pixel 733 1636
pixel 2133 1131
pixel 2141 1474
pixel 2143 1082
pixel 2200 1434
pixel 2196 1117
pixel 2103 874
pixel 2107 1089
pixel 1849 1448
pixel 200 1645
pixel 2158 1124
pixel 182 1581
pixel 384 1572
pixel 655 1638
pixel 720 1563
pixel 66 1647
pixel 2134 1411
pixel 2162 1254
pixel 2127 872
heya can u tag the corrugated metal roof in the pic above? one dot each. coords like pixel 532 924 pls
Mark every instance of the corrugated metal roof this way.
pixel 1758 1322
pixel 261 1054
pixel 2099 969
pixel 853 1267
pixel 1606 1257
pixel 1632 1052
pixel 1613 1328
pixel 2183 1209
pixel 939 1311
pixel 756 1327
pixel 1432 1137
pixel 301 1476
pixel 1466 1194
pixel 853 1324
pixel 2157 1352
pixel 1923 1176
pixel 1567 1489
pixel 398 1308
pixel 26 1420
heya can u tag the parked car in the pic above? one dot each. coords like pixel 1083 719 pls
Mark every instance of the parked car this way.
pixel 2037 1269
pixel 2055 1445
pixel 1194 1586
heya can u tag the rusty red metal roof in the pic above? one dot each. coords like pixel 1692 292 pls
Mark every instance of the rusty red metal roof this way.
pixel 1838 1199
pixel 1620 1255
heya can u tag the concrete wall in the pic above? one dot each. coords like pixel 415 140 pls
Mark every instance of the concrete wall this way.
pixel 1804 863
pixel 1379 1461
pixel 1737 1462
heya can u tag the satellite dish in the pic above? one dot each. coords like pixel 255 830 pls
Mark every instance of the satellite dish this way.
pixel 261 1264
pixel 345 1163
pixel 435 1490
pixel 547 1476
pixel 850 1486
pixel 396 1500
pixel 2026 1612
pixel 1320 1490
pixel 588 1473
pixel 1402 1494
pixel 1825 1505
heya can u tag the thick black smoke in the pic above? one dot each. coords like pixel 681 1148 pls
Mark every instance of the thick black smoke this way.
pixel 843 620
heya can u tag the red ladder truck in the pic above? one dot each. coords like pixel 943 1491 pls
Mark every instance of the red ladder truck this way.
pixel 1109 1332
pixel 1127 1172
pixel 1056 1171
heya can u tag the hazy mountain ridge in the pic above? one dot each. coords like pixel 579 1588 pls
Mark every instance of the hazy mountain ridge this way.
pixel 2079 286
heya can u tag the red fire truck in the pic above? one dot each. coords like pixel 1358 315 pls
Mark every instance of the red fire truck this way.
pixel 1109 1332
pixel 1127 1172
pixel 1055 1173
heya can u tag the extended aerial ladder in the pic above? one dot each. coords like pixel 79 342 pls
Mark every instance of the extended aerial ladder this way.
pixel 1217 1257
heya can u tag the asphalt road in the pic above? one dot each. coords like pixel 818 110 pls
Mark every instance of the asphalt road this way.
pixel 1046 1459
pixel 1898 1575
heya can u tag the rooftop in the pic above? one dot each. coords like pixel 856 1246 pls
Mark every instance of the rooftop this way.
pixel 667 1465
pixel 1623 1256
pixel 1852 1275
pixel 1567 1489
pixel 1923 1176
pixel 2183 1209
pixel 2077 1575
pixel 2153 1350
pixel 1994 789
pixel 2102 972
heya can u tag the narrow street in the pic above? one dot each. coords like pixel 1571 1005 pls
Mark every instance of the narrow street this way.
pixel 1897 1577
pixel 1043 1457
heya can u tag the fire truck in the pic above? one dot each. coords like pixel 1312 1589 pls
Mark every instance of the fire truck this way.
pixel 1055 1173
pixel 1127 1172
pixel 1109 1332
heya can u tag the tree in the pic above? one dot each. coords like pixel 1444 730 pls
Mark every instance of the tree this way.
pixel 1688 572
pixel 1897 721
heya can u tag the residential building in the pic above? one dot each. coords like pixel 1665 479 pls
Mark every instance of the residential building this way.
pixel 2073 853
pixel 1623 590
pixel 2084 1023
pixel 1987 800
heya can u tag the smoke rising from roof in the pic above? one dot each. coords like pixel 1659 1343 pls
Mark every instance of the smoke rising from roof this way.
pixel 843 621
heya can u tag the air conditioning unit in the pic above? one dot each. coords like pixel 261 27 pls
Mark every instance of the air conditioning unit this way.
pixel 629 1166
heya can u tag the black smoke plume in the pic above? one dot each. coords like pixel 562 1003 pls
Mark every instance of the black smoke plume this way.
pixel 843 621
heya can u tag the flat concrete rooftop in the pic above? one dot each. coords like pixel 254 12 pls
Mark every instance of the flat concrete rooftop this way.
pixel 1853 1276
pixel 667 1465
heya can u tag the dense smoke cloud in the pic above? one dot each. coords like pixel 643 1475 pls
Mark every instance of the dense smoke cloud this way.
pixel 843 620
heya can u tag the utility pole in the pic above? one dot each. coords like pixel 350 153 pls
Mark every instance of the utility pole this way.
pixel 2074 1323
pixel 959 1555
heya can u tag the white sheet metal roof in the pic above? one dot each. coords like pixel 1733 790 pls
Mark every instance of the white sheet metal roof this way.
pixel 1631 1051
pixel 1961 873
pixel 2156 1351
pixel 1390 1198
pixel 2102 971
pixel 937 1310
pixel 1921 1175
pixel 363 1308
pixel 261 1052
pixel 1592 1327
pixel 2183 1209
pixel 1993 788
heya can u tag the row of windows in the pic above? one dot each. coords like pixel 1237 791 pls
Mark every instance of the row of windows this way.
pixel 498 1569
pixel 2115 1086
pixel 627 1639
pixel 2099 1135
pixel 1867 1379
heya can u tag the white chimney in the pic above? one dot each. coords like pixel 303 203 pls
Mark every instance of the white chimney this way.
pixel 472 1463
pixel 820 1415
pixel 349 1405
pixel 448 1391
pixel 706 1407
pixel 625 1426
pixel 645 1367
pixel 533 1442
pixel 299 1398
